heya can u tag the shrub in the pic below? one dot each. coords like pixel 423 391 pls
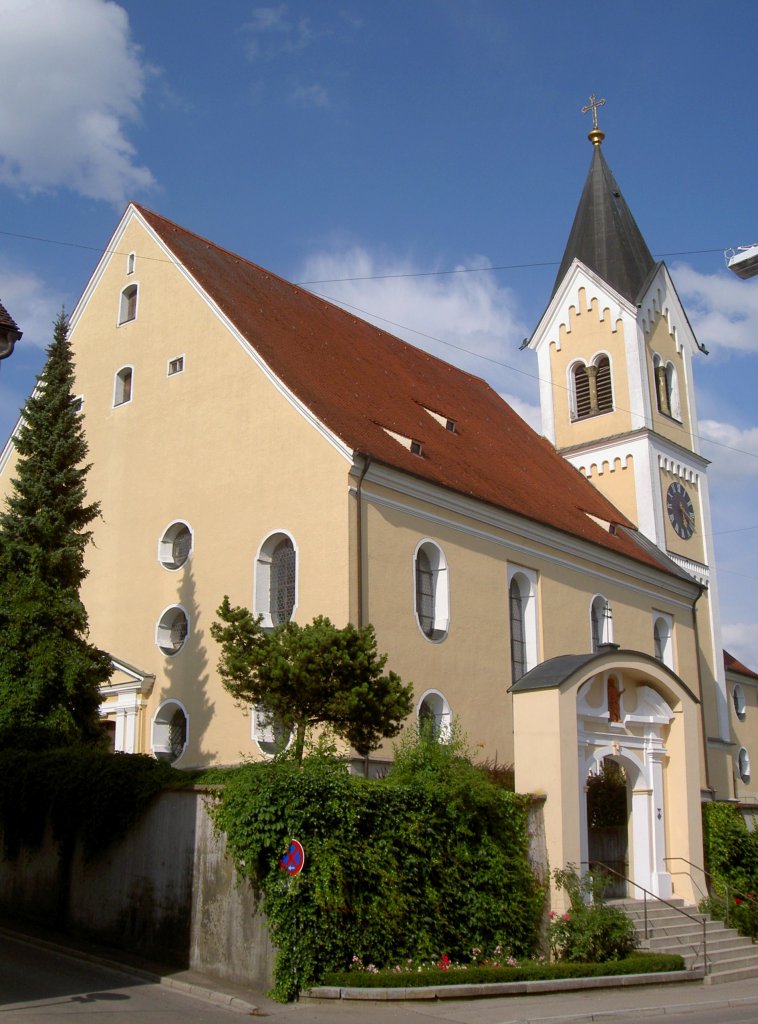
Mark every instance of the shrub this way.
pixel 590 931
pixel 731 853
pixel 431 858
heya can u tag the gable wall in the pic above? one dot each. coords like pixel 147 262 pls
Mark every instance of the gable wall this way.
pixel 217 446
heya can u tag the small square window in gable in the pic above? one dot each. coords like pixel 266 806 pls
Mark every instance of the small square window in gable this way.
pixel 175 365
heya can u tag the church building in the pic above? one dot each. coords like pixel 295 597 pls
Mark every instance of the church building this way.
pixel 554 594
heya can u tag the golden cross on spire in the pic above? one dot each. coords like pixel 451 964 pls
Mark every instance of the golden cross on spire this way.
pixel 595 136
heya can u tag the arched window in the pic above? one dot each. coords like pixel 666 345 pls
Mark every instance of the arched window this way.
pixel 663 638
pixel 122 386
pixel 518 639
pixel 276 579
pixel 601 622
pixel 432 602
pixel 269 733
pixel 743 764
pixel 666 388
pixel 172 629
pixel 581 392
pixel 170 731
pixel 522 610
pixel 603 381
pixel 175 545
pixel 740 704
pixel 591 388
pixel 128 306
pixel 433 713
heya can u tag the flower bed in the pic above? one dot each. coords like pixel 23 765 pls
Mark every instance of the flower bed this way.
pixel 416 974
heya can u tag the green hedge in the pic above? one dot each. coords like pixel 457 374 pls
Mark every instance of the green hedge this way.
pixel 432 858
pixel 731 857
pixel 531 971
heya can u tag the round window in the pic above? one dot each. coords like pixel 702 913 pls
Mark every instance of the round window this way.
pixel 172 630
pixel 175 546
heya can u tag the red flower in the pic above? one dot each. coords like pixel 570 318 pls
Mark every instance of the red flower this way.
pixel 737 900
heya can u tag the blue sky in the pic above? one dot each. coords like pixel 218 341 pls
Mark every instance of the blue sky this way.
pixel 332 140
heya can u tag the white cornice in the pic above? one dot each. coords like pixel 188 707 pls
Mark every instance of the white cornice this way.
pixel 661 299
pixel 533 538
pixel 557 313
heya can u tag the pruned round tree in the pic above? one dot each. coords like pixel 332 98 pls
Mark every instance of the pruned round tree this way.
pixel 50 674
pixel 317 674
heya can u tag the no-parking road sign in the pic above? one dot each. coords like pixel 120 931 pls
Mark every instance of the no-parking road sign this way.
pixel 293 860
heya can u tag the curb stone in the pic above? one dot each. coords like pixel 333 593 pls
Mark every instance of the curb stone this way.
pixel 504 988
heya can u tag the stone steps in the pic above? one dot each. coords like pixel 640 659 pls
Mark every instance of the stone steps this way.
pixel 731 957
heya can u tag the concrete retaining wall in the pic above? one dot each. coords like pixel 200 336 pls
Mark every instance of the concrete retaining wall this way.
pixel 167 892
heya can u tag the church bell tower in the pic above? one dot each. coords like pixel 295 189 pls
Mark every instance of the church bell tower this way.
pixel 615 352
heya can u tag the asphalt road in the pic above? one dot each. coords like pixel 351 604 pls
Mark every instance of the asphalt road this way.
pixel 41 986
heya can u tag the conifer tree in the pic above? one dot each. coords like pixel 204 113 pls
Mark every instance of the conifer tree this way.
pixel 49 673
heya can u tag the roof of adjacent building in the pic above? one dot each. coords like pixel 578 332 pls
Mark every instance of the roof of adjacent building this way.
pixel 361 381
pixel 732 664
pixel 605 236
pixel 7 321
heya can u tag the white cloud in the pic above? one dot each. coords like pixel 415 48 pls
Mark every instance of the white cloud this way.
pixel 468 319
pixel 310 96
pixel 31 303
pixel 741 640
pixel 72 80
pixel 271 31
pixel 722 308
pixel 735 453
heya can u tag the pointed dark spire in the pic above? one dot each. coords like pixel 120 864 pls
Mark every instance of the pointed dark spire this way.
pixel 605 236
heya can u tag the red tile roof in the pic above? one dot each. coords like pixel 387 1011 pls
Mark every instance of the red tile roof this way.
pixel 731 664
pixel 358 379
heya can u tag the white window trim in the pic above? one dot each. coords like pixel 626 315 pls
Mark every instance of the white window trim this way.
pixel 606 622
pixel 264 734
pixel 668 652
pixel 159 731
pixel 739 703
pixel 118 385
pixel 441 625
pixel 443 715
pixel 160 630
pixel 165 545
pixel 262 576
pixel 173 359
pixel 122 301
pixel 531 611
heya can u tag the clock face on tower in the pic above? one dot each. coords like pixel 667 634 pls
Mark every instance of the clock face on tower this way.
pixel 680 509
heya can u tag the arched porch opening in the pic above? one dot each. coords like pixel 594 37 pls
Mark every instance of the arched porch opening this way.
pixel 608 819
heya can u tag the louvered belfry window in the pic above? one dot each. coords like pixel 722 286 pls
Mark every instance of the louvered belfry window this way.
pixel 581 391
pixel 425 592
pixel 282 581
pixel 518 637
pixel 604 390
pixel 593 389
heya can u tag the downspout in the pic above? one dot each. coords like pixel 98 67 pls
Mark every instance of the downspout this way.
pixel 367 458
pixel 700 689
pixel 359 544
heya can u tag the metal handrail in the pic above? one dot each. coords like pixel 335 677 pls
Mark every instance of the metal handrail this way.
pixel 702 920
pixel 727 888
